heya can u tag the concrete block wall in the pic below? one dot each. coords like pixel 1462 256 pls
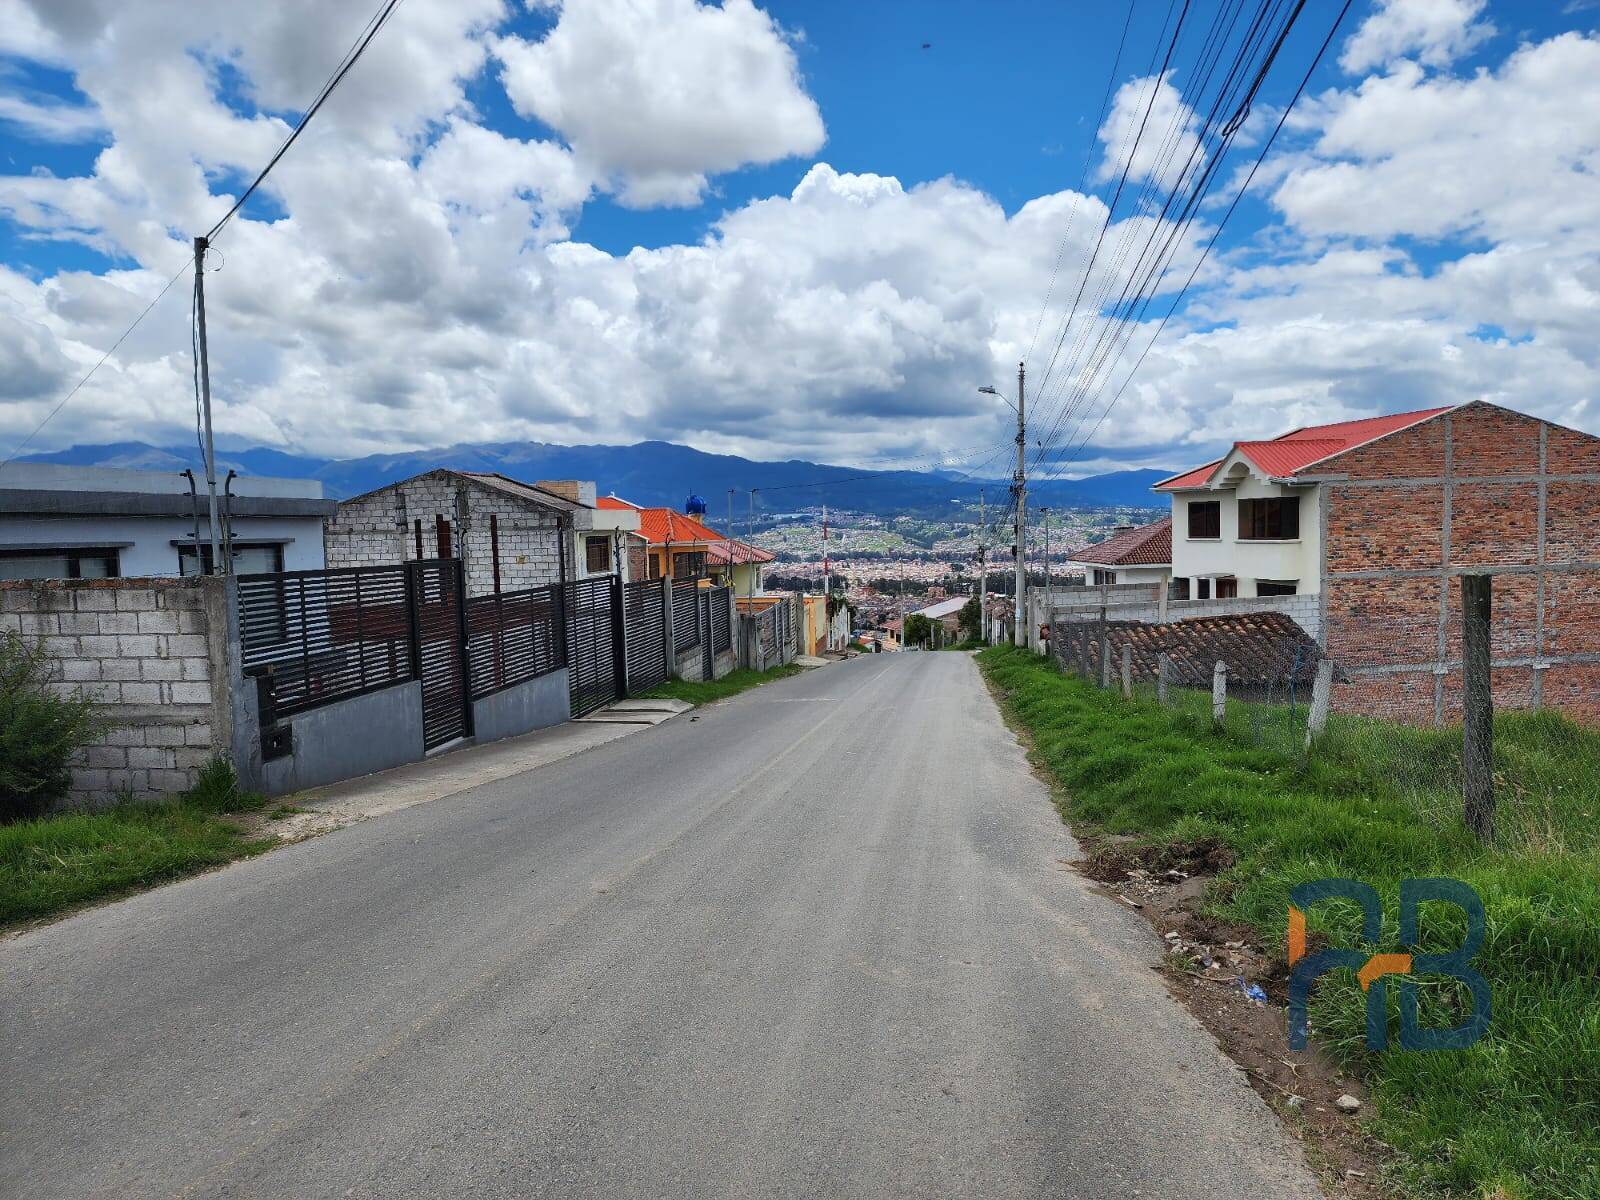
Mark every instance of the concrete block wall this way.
pixel 152 654
pixel 381 528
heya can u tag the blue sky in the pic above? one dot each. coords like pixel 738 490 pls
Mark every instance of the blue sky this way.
pixel 850 220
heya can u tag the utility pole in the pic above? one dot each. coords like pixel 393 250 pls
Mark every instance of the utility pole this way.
pixel 1019 487
pixel 983 570
pixel 827 582
pixel 751 527
pixel 218 567
pixel 1045 513
pixel 731 528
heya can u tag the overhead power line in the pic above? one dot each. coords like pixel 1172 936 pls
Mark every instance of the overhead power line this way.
pixel 1266 148
pixel 351 56
pixel 356 50
pixel 100 362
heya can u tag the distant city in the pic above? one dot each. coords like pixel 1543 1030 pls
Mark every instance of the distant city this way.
pixel 890 565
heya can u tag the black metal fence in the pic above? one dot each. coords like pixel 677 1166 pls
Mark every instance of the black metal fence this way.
pixel 513 637
pixel 313 637
pixel 644 619
pixel 685 614
pixel 721 625
pixel 319 636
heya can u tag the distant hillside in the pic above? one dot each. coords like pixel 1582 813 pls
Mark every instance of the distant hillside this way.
pixel 646 473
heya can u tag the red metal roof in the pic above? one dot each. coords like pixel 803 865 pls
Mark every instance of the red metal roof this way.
pixel 1300 448
pixel 1148 546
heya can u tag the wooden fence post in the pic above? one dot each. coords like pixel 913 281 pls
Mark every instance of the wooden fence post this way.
pixel 1127 671
pixel 1163 669
pixel 1321 686
pixel 1219 692
pixel 1477 750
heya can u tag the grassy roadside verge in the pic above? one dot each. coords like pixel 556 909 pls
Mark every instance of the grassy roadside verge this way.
pixel 731 684
pixel 51 864
pixel 1516 1116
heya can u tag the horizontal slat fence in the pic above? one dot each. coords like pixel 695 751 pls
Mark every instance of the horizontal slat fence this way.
pixel 513 637
pixel 685 614
pixel 721 627
pixel 644 614
pixel 325 635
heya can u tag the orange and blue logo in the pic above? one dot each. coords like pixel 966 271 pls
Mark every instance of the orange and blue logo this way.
pixel 1373 970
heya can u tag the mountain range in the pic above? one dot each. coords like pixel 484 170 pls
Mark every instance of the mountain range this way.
pixel 650 473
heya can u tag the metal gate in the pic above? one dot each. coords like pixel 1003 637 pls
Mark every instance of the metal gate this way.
pixel 644 615
pixel 438 638
pixel 593 622
pixel 703 615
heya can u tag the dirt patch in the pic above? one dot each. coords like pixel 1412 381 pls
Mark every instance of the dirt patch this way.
pixel 1238 989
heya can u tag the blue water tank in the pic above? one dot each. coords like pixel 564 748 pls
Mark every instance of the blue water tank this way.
pixel 695 506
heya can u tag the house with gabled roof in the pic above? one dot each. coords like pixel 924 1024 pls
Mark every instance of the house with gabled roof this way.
pixel 510 534
pixel 1132 554
pixel 1249 523
pixel 1375 522
pixel 685 547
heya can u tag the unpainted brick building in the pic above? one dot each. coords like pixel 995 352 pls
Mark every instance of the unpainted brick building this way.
pixel 1476 489
pixel 1379 519
pixel 511 535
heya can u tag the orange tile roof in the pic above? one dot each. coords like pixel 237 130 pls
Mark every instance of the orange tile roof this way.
pixel 1298 449
pixel 658 526
pixel 1148 545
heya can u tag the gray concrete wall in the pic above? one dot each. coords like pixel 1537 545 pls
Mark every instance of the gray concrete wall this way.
pixel 143 651
pixel 348 738
pixel 523 707
pixel 723 664
pixel 690 664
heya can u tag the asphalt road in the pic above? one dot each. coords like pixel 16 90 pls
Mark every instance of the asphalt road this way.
pixel 817 942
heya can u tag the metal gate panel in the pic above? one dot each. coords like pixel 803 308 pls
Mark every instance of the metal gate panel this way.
pixel 438 635
pixel 644 613
pixel 703 616
pixel 721 634
pixel 591 645
pixel 685 614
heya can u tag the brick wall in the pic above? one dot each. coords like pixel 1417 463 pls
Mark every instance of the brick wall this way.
pixel 1479 488
pixel 381 528
pixel 149 652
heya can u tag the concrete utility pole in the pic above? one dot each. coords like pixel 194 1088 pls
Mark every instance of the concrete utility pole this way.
pixel 983 570
pixel 1045 513
pixel 1019 635
pixel 218 567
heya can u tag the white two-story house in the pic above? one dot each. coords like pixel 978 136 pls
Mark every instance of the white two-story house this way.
pixel 1250 523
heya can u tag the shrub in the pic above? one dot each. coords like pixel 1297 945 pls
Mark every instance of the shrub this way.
pixel 40 731
pixel 216 790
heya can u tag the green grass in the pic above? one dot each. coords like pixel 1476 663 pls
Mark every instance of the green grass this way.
pixel 1520 1110
pixel 731 684
pixel 51 864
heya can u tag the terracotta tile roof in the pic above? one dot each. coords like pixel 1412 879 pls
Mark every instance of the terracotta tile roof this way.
pixel 739 552
pixel 1262 649
pixel 1298 449
pixel 1146 546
